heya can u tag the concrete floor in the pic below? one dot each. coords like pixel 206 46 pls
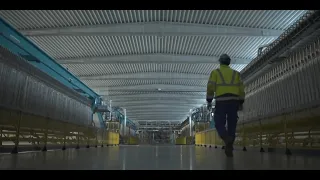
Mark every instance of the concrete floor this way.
pixel 146 157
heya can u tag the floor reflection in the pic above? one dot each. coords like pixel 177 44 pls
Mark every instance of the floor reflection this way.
pixel 165 157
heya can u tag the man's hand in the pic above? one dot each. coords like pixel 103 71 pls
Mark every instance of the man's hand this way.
pixel 209 106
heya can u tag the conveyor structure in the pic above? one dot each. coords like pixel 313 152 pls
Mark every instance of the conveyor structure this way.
pixel 282 93
pixel 44 104
pixel 19 45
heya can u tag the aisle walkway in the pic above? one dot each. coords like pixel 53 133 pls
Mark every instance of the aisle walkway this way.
pixel 154 157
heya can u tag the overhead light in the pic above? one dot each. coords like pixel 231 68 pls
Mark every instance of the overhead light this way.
pixel 159 89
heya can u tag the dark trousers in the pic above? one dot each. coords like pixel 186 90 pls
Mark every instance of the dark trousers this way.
pixel 226 111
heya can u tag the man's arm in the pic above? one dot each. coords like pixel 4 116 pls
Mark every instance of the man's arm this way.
pixel 211 86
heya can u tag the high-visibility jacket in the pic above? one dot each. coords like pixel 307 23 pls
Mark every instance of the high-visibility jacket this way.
pixel 225 84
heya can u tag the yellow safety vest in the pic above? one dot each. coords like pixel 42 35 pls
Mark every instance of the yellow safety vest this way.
pixel 225 84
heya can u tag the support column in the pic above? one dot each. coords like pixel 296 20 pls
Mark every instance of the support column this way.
pixel 152 137
pixel 88 138
pixel 261 140
pixel 110 109
pixel 17 134
pixel 244 138
pixel 125 122
pixel 102 138
pixel 190 124
pixel 97 132
pixel 0 136
pixel 78 140
pixel 174 137
pixel 64 143
pixel 64 139
pixel 288 152
pixel 45 136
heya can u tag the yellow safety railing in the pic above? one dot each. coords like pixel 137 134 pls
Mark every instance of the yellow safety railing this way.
pixel 184 140
pixel 286 131
pixel 20 130
pixel 201 126
pixel 131 140
pixel 112 138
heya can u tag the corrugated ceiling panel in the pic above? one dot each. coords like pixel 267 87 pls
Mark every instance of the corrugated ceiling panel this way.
pixel 143 92
pixel 103 69
pixel 68 47
pixel 124 82
pixel 34 19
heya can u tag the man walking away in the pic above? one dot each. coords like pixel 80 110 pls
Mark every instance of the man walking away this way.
pixel 227 88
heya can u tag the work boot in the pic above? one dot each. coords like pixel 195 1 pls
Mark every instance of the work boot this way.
pixel 229 146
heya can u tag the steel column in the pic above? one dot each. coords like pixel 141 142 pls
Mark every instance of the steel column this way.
pixel 125 122
pixel 190 125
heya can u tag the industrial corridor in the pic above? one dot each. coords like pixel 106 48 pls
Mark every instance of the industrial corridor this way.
pixel 127 89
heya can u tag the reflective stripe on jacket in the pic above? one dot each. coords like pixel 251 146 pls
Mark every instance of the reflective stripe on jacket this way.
pixel 225 84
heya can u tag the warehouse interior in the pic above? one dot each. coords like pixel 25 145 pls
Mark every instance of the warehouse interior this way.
pixel 126 89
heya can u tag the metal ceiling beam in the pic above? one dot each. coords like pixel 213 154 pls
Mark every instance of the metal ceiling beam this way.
pixel 172 124
pixel 118 98
pixel 160 109
pixel 175 104
pixel 157 58
pixel 163 116
pixel 159 96
pixel 160 121
pixel 161 126
pixel 153 120
pixel 148 76
pixel 156 127
pixel 147 117
pixel 153 29
pixel 158 113
pixel 163 106
pixel 158 117
pixel 139 118
pixel 153 87
pixel 150 106
pixel 161 113
pixel 130 92
pixel 156 109
pixel 181 118
pixel 143 102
